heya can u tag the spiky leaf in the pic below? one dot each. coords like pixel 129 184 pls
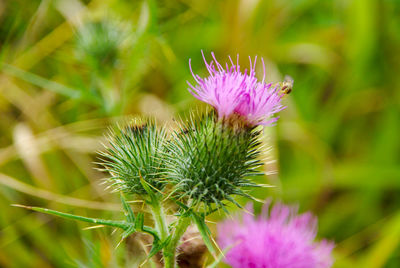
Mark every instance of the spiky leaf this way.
pixel 130 216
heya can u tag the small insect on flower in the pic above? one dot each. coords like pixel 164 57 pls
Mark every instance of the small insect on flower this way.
pixel 287 85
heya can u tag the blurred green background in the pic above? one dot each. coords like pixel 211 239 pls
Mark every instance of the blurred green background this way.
pixel 71 68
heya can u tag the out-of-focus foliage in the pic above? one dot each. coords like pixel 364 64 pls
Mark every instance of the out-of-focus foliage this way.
pixel 69 68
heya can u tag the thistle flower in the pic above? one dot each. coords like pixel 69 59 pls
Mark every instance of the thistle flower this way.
pixel 279 238
pixel 232 92
pixel 133 153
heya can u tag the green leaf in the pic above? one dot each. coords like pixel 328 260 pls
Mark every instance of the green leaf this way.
pixel 126 226
pixel 149 191
pixel 119 224
pixel 139 222
pixel 204 232
pixel 131 229
pixel 157 246
pixel 182 205
pixel 130 216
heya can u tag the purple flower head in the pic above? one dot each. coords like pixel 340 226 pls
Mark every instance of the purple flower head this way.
pixel 278 238
pixel 232 92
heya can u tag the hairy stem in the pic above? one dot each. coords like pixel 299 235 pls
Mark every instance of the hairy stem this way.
pixel 169 251
pixel 160 220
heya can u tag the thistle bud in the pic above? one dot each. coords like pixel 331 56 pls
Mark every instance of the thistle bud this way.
pixel 98 44
pixel 209 160
pixel 134 153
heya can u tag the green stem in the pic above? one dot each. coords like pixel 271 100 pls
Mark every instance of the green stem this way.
pixel 169 251
pixel 160 220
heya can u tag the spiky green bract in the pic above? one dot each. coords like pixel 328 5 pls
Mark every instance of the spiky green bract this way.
pixel 210 160
pixel 134 153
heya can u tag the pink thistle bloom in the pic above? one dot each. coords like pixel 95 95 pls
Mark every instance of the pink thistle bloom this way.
pixel 231 92
pixel 279 238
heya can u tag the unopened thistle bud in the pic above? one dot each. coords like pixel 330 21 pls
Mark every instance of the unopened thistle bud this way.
pixel 133 153
pixel 98 44
pixel 209 160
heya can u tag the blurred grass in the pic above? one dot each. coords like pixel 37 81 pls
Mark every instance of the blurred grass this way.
pixel 337 144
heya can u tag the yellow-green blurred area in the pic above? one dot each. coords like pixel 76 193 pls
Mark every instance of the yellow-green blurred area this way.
pixel 71 68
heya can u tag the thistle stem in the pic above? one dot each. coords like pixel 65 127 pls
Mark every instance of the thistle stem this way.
pixel 169 251
pixel 160 220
